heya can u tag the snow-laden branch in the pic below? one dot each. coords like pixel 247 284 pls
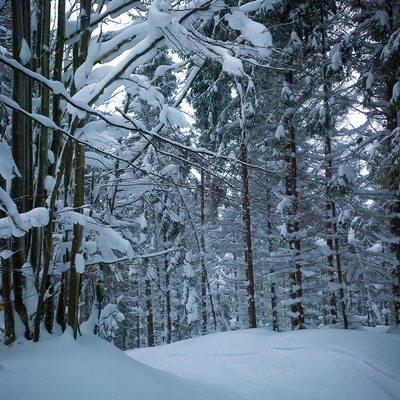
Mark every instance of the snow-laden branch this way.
pixel 8 169
pixel 16 224
pixel 49 123
pixel 166 24
pixel 194 150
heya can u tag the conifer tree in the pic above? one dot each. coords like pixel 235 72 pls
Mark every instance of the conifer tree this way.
pixel 376 38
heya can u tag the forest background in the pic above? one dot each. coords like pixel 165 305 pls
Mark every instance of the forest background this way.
pixel 276 202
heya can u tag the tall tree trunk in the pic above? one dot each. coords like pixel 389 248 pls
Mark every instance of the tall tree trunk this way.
pixel 42 163
pixel 80 54
pixel 46 307
pixel 274 299
pixel 395 229
pixel 293 226
pixel 332 240
pixel 394 177
pixel 22 187
pixel 137 320
pixel 203 256
pixel 75 276
pixel 6 285
pixel 168 300
pixel 6 268
pixel 393 123
pixel 247 238
pixel 149 307
pixel 56 140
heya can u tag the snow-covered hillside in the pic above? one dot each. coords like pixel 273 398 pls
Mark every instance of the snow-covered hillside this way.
pixel 257 364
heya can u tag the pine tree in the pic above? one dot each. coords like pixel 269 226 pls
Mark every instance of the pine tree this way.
pixel 378 25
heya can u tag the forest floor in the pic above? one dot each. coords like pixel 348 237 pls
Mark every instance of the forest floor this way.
pixel 256 364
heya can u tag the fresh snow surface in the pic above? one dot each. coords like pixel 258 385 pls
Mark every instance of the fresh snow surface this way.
pixel 256 364
pixel 88 369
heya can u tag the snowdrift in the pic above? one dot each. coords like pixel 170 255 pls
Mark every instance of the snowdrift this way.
pixel 257 364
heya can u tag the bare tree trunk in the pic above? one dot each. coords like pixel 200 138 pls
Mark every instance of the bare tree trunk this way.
pixel 392 124
pixel 6 285
pixel 331 215
pixel 80 54
pixel 395 230
pixel 149 307
pixel 47 307
pixel 293 226
pixel 168 301
pixel 61 304
pixel 42 162
pixel 248 238
pixel 274 300
pixel 22 187
pixel 203 257
pixel 332 240
pixel 137 320
pixel 75 276
pixel 56 141
pixel 6 274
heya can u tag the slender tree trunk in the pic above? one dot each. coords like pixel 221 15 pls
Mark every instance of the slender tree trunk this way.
pixel 137 320
pixel 293 226
pixel 168 301
pixel 248 238
pixel 274 299
pixel 6 285
pixel 392 124
pixel 75 276
pixel 22 187
pixel 61 303
pixel 149 307
pixel 47 306
pixel 42 164
pixel 56 141
pixel 203 256
pixel 6 274
pixel 80 54
pixel 331 215
pixel 332 239
pixel 213 313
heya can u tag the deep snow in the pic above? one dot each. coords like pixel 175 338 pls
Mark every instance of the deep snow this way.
pixel 257 364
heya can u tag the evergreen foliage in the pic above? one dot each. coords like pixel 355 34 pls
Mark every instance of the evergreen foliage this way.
pixel 169 170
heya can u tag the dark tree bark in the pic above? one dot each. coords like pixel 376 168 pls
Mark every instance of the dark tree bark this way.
pixel 149 307
pixel 203 256
pixel 46 307
pixel 168 301
pixel 5 264
pixel 38 236
pixel 56 141
pixel 80 54
pixel 74 275
pixel 248 238
pixel 332 239
pixel 394 177
pixel 6 287
pixel 22 187
pixel 293 226
pixel 274 298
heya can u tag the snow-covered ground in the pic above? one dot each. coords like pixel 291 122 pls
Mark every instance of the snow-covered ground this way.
pixel 323 364
pixel 257 364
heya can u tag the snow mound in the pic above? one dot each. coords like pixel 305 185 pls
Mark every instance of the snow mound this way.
pixel 258 364
pixel 254 364
pixel 88 369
